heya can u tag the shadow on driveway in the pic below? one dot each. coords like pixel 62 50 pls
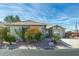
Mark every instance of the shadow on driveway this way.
pixel 44 44
pixel 64 44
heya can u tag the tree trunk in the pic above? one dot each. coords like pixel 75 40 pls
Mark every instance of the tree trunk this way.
pixel 23 34
pixel 10 43
pixel 55 42
pixel 1 42
pixel 23 39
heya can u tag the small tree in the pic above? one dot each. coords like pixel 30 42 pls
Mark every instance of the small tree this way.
pixel 1 35
pixel 55 38
pixel 6 35
pixel 33 34
pixel 10 39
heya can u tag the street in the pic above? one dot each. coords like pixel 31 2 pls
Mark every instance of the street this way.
pixel 32 52
pixel 67 47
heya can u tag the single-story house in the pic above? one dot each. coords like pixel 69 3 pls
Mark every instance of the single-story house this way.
pixel 24 25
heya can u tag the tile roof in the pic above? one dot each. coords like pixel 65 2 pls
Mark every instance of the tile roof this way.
pixel 28 22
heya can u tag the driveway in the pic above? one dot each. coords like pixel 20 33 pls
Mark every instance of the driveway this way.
pixel 69 43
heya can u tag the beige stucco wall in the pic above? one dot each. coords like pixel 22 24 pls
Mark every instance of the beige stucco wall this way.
pixel 12 31
pixel 18 28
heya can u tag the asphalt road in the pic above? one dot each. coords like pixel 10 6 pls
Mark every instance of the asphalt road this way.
pixel 24 52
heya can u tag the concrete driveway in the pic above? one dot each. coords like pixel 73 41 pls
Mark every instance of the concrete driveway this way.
pixel 69 43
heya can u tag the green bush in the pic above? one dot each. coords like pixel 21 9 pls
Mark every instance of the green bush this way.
pixel 10 38
pixel 33 34
pixel 55 38
pixel 3 34
pixel 38 36
pixel 33 37
pixel 28 36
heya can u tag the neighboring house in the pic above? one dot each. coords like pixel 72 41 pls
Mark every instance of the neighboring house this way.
pixel 24 25
pixel 56 29
pixel 71 34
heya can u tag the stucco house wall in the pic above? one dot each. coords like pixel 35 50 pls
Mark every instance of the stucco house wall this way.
pixel 55 29
pixel 58 30
pixel 19 28
pixel 13 31
pixel 19 25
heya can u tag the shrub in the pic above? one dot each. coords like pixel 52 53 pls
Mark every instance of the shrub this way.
pixel 33 34
pixel 55 38
pixel 10 39
pixel 3 34
pixel 38 36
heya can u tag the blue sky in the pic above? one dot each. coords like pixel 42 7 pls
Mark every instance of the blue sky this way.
pixel 61 14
